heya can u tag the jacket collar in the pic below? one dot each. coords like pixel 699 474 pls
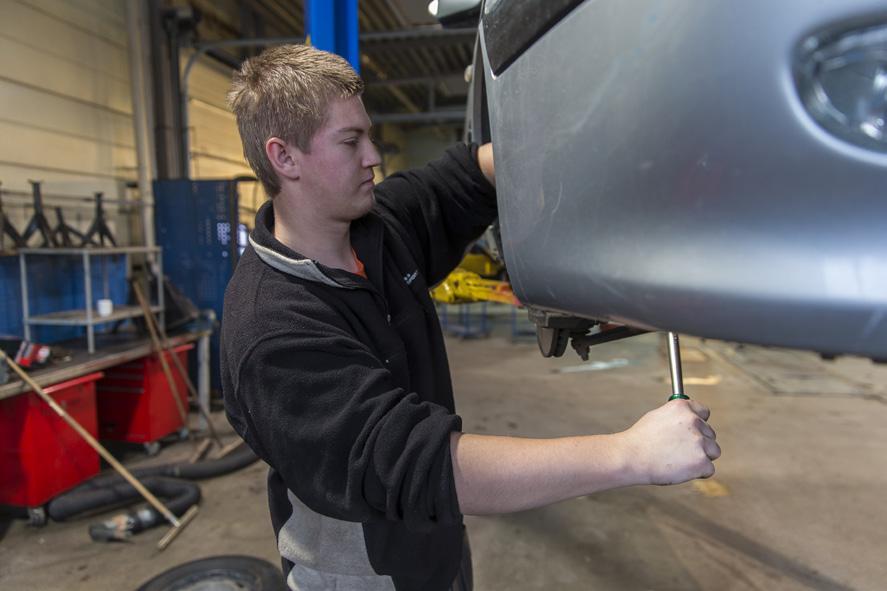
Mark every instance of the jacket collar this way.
pixel 366 232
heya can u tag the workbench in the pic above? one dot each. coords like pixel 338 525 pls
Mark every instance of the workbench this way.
pixel 114 350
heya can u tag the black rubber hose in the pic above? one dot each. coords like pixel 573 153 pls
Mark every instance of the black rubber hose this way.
pixel 112 479
pixel 241 457
pixel 106 492
pixel 179 495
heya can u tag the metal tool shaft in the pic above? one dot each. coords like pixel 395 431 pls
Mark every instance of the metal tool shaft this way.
pixel 674 363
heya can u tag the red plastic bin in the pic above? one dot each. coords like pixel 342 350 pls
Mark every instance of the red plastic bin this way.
pixel 135 403
pixel 41 456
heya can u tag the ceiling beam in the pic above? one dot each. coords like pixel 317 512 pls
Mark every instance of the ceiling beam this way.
pixel 416 37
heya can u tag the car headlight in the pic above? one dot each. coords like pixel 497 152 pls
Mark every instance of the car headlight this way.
pixel 842 81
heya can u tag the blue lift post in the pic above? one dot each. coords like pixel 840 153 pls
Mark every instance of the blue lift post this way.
pixel 331 25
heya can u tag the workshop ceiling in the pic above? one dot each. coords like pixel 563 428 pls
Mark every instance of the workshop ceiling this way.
pixel 414 70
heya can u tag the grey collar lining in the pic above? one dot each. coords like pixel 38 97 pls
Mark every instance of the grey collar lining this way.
pixel 302 268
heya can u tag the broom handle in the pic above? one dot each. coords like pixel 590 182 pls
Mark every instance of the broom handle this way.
pixel 164 343
pixel 155 341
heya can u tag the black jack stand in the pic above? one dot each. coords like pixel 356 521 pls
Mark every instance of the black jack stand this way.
pixel 63 233
pixel 7 229
pixel 99 231
pixel 38 221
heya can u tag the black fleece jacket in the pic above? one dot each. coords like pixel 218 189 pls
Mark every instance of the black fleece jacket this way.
pixel 341 384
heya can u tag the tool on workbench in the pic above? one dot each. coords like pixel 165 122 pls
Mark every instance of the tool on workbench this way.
pixel 177 524
pixel 161 344
pixel 674 364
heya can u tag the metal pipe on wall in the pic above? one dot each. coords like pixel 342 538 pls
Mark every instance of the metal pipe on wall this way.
pixel 137 30
pixel 167 142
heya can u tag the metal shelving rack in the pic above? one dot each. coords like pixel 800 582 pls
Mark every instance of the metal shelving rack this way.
pixel 88 316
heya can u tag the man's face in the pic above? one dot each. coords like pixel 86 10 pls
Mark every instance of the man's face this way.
pixel 338 171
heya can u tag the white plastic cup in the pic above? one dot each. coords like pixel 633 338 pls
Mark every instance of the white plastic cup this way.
pixel 105 307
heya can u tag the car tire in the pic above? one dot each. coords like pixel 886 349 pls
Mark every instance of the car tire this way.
pixel 243 573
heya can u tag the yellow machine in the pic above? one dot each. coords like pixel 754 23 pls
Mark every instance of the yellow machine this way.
pixel 482 264
pixel 461 287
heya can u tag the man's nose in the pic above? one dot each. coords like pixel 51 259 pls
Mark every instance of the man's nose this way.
pixel 372 157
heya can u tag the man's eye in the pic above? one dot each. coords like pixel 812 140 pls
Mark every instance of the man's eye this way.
pixel 351 142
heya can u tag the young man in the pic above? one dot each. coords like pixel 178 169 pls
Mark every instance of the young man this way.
pixel 334 367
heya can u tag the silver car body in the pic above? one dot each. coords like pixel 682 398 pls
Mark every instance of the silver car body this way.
pixel 656 167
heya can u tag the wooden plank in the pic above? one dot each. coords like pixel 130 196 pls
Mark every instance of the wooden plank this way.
pixel 83 363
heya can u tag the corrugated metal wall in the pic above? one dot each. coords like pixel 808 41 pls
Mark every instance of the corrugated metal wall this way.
pixel 65 108
pixel 216 151
pixel 66 120
pixel 215 145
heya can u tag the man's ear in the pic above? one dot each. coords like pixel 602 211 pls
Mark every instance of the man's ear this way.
pixel 284 158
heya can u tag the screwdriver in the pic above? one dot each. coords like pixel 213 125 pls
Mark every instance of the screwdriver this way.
pixel 674 364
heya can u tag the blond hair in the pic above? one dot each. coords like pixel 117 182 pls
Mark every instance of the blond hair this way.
pixel 284 92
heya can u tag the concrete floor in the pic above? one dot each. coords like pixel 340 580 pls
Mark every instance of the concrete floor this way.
pixel 797 502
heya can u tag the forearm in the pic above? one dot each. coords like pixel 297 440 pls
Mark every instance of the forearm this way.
pixel 505 474
pixel 668 445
